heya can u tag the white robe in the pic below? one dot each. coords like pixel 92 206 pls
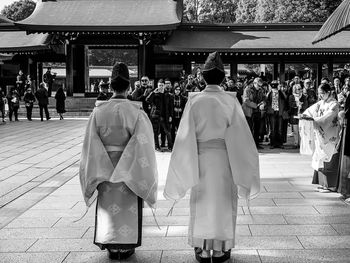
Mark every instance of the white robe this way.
pixel 113 124
pixel 326 130
pixel 214 155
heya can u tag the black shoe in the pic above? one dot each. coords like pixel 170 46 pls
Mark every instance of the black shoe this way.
pixel 42 120
pixel 197 252
pixel 259 147
pixel 120 254
pixel 272 147
pixel 48 118
pixel 126 253
pixel 225 257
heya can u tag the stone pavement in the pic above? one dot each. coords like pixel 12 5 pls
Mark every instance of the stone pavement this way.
pixel 40 198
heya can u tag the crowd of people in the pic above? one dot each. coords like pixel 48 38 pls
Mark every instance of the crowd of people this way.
pixel 25 90
pixel 269 107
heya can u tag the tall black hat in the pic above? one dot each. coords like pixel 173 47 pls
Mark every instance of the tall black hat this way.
pixel 121 71
pixel 214 62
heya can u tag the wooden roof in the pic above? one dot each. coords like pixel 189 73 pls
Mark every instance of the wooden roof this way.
pixel 253 38
pixel 19 41
pixel 103 15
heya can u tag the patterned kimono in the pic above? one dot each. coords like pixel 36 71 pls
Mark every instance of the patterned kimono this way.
pixel 326 133
pixel 344 149
pixel 118 160
pixel 215 156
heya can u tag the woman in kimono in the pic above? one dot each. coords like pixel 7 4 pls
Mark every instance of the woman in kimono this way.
pixel 325 159
pixel 215 156
pixel 118 160
pixel 344 149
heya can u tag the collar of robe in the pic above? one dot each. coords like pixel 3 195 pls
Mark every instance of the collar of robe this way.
pixel 213 88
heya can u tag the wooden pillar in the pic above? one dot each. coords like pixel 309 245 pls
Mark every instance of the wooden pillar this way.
pixel 319 73
pixel 69 69
pixel 275 71
pixel 234 70
pixel 282 71
pixel 79 67
pixel 39 73
pixel 187 66
pixel 330 69
pixel 142 59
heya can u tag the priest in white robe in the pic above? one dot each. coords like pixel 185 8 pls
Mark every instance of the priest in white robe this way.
pixel 118 160
pixel 215 156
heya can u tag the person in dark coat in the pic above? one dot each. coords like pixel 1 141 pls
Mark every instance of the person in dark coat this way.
pixel 2 104
pixel 20 83
pixel 60 102
pixel 49 79
pixel 178 102
pixel 103 95
pixel 276 105
pixel 43 100
pixel 159 114
pixel 13 99
pixel 29 100
pixel 343 183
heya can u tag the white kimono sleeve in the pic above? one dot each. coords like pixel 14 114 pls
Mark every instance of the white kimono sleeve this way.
pixel 95 164
pixel 243 155
pixel 137 166
pixel 183 172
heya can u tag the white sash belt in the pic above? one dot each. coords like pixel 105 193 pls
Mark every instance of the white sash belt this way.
pixel 114 148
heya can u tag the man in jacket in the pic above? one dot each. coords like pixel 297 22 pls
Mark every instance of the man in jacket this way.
pixel 159 114
pixel 253 103
pixel 43 100
pixel 177 103
pixel 276 109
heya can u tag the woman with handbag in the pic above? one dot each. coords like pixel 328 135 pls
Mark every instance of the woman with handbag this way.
pixel 13 102
pixel 29 100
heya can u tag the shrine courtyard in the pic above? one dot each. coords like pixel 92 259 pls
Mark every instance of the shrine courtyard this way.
pixel 40 199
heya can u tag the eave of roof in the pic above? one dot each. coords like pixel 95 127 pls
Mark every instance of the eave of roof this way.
pixel 104 15
pixel 19 41
pixel 253 41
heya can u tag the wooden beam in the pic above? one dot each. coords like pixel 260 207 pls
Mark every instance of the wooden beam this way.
pixel 282 76
pixel 234 70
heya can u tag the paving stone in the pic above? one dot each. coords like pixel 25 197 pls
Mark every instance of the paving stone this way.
pixel 316 219
pixel 326 242
pixel 32 257
pixel 292 230
pixel 187 256
pixel 295 202
pixel 164 243
pixel 15 245
pixel 32 233
pixel 280 195
pixel 32 222
pixel 257 202
pixel 182 231
pixel 102 257
pixel 267 242
pixel 147 231
pixel 320 195
pixel 342 229
pixel 287 210
pixel 260 219
pixel 333 209
pixel 305 256
pixel 54 245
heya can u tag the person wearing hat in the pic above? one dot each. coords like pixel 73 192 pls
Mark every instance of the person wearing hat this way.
pixel 215 156
pixel 309 92
pixel 29 100
pixel 103 95
pixel 118 160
